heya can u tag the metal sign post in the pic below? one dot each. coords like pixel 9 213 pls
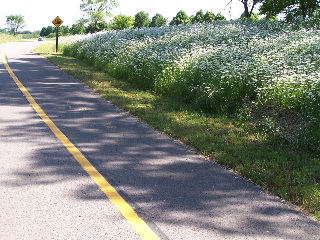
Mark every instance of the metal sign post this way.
pixel 57 37
pixel 57 22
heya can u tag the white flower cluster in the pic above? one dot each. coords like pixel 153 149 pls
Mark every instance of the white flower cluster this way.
pixel 214 65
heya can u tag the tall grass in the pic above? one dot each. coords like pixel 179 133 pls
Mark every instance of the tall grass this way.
pixel 223 67
pixel 8 38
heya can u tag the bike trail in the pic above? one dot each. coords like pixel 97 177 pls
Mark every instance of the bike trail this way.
pixel 44 192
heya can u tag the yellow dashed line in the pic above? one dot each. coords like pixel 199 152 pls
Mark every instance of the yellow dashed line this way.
pixel 139 225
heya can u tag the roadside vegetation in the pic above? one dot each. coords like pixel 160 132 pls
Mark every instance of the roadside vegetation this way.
pixel 8 38
pixel 244 94
pixel 253 70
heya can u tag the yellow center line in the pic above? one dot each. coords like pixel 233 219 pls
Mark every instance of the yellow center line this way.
pixel 138 224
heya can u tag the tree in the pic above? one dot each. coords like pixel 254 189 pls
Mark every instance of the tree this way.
pixel 97 11
pixel 294 8
pixel 180 19
pixel 65 30
pixel 198 18
pixel 220 17
pixel 78 28
pixel 15 22
pixel 142 20
pixel 45 31
pixel 254 17
pixel 93 28
pixel 158 21
pixel 122 22
pixel 209 17
pixel 249 6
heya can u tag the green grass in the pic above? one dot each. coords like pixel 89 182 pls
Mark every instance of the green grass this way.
pixel 46 39
pixel 262 157
pixel 8 38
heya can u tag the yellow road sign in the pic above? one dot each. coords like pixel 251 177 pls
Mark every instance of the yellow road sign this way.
pixel 57 21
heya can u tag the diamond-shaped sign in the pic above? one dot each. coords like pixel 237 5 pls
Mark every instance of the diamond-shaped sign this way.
pixel 57 21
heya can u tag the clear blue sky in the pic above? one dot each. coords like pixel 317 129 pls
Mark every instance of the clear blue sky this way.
pixel 40 13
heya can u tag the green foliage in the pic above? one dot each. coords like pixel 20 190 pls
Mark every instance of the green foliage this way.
pixel 64 31
pixel 97 11
pixel 312 22
pixel 209 17
pixel 45 31
pixel 97 8
pixel 220 17
pixel 50 31
pixel 158 21
pixel 249 6
pixel 29 35
pixel 270 18
pixel 254 17
pixel 15 22
pixel 180 19
pixel 78 28
pixel 96 27
pixel 141 20
pixel 198 18
pixel 121 22
pixel 292 8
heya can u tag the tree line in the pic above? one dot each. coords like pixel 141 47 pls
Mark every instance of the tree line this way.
pixel 291 9
pixel 95 13
pixel 140 20
pixel 97 10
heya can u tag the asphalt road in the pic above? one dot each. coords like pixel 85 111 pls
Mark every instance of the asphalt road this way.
pixel 45 193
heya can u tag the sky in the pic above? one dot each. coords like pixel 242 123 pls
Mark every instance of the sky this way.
pixel 40 13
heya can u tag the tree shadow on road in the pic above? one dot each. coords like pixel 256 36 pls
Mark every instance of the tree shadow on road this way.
pixel 167 183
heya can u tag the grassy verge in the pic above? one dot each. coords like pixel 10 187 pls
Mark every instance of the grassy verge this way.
pixel 264 158
pixel 8 38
